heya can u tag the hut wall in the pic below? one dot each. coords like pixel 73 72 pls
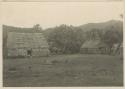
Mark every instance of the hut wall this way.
pixel 90 50
pixel 94 51
pixel 17 52
pixel 12 52
pixel 40 52
pixel 23 52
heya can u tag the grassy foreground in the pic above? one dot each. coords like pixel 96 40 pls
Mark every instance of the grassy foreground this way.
pixel 63 70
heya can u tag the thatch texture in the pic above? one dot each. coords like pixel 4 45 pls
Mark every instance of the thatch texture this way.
pixel 91 44
pixel 25 42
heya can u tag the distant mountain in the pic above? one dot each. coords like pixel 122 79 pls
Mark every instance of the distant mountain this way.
pixel 102 26
pixel 112 24
pixel 115 24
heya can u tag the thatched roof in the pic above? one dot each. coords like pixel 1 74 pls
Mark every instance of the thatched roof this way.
pixel 20 29
pixel 24 38
pixel 28 40
pixel 93 44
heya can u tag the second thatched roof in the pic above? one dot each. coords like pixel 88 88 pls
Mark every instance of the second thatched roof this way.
pixel 93 44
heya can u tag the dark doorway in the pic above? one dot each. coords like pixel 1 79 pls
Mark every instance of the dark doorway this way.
pixel 29 52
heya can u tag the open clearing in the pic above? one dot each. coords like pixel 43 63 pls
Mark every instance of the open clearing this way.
pixel 63 70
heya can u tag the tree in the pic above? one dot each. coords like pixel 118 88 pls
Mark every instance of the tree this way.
pixel 67 39
pixel 111 37
pixel 37 27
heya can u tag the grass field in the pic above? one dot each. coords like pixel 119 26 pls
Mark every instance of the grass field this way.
pixel 63 70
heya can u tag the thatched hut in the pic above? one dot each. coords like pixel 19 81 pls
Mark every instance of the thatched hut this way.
pixel 118 49
pixel 94 47
pixel 25 42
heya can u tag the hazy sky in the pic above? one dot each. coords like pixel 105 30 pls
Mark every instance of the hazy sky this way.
pixel 49 14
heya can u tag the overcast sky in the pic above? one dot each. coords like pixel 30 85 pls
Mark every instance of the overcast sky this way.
pixel 50 14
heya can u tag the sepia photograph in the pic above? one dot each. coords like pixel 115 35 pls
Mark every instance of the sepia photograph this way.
pixel 62 44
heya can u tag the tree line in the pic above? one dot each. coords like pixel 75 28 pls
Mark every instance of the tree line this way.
pixel 69 39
